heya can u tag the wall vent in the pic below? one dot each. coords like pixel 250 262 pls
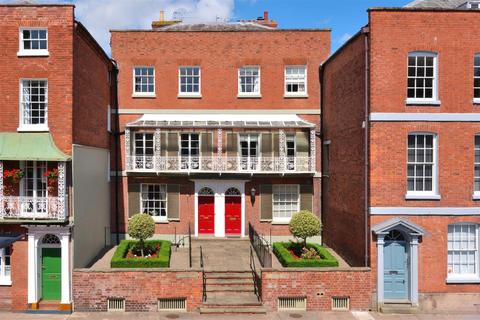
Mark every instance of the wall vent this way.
pixel 116 304
pixel 292 303
pixel 340 303
pixel 172 304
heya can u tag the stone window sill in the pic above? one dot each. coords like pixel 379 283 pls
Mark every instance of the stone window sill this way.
pixel 413 102
pixel 422 197
pixel 462 280
pixel 33 53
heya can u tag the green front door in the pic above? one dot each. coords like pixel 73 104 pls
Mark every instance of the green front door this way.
pixel 51 273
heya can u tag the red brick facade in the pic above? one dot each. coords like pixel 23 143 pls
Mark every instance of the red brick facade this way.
pixel 388 42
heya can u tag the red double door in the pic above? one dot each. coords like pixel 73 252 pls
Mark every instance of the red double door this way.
pixel 233 215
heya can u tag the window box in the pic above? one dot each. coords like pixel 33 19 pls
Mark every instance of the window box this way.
pixel 162 259
pixel 287 259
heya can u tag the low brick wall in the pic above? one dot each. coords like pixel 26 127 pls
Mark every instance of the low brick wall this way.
pixel 318 286
pixel 139 287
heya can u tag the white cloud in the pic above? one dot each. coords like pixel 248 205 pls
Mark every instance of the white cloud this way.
pixel 99 16
pixel 344 38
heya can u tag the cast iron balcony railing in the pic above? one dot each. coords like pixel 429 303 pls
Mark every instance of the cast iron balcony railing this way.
pixel 278 165
pixel 33 208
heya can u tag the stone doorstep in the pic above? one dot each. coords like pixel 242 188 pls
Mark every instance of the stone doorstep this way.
pixel 399 308
pixel 233 310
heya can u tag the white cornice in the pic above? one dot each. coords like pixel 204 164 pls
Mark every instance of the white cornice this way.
pixel 216 111
pixel 429 117
pixel 426 211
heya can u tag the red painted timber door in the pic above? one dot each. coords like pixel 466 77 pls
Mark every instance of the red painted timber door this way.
pixel 233 215
pixel 206 214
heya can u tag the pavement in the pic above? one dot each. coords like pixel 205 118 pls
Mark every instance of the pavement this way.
pixel 270 316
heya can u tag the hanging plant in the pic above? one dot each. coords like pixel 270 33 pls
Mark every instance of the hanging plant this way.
pixel 13 175
pixel 52 177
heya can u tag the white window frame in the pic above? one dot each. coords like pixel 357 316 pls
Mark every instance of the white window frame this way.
pixel 249 163
pixel 430 194
pixel 4 279
pixel 22 52
pixel 31 127
pixel 429 101
pixel 291 160
pixel 476 77
pixel 157 219
pixel 254 94
pixel 144 160
pixel 284 220
pixel 141 94
pixel 189 94
pixel 476 164
pixel 465 277
pixel 286 82
pixel 188 161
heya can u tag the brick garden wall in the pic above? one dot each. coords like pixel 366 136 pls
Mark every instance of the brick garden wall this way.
pixel 141 289
pixel 318 286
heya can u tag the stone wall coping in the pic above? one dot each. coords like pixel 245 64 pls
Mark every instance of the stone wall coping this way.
pixel 318 269
pixel 158 270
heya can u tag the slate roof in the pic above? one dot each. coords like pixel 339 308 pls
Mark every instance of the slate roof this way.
pixel 236 26
pixel 444 4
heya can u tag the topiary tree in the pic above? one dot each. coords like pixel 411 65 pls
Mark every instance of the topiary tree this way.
pixel 305 224
pixel 141 226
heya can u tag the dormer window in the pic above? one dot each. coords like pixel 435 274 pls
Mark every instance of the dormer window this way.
pixel 473 5
pixel 33 42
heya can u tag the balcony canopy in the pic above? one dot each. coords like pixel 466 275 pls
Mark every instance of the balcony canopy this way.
pixel 202 120
pixel 30 146
pixel 7 239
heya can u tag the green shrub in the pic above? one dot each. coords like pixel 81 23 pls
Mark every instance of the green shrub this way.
pixel 119 259
pixel 305 224
pixel 287 260
pixel 141 227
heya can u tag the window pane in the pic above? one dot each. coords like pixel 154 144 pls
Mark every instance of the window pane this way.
pixel 421 76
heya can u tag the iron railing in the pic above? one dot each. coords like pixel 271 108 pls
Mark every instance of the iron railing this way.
pixel 34 208
pixel 238 164
pixel 257 279
pixel 204 277
pixel 181 243
pixel 261 247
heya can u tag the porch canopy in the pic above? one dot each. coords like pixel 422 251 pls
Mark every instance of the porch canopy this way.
pixel 30 146
pixel 202 120
pixel 7 239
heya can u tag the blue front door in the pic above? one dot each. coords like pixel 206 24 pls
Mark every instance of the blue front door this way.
pixel 395 270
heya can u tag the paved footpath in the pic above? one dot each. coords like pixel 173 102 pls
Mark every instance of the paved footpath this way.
pixel 270 316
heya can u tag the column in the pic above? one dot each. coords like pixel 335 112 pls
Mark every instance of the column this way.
pixel 1 188
pixel 128 159
pixel 414 270
pixel 62 199
pixel 380 244
pixel 32 268
pixel 65 256
pixel 219 149
pixel 282 153
pixel 157 152
pixel 313 155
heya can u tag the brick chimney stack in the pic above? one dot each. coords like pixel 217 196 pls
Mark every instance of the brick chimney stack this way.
pixel 162 22
pixel 264 21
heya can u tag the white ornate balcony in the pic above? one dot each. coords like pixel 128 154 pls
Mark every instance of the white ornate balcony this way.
pixel 33 208
pixel 274 165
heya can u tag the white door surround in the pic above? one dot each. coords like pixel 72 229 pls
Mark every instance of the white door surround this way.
pixel 35 245
pixel 219 187
pixel 412 233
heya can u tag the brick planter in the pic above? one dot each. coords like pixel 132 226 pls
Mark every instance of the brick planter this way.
pixel 318 285
pixel 139 287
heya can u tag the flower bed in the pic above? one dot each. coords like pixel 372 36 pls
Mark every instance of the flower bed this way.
pixel 157 255
pixel 289 255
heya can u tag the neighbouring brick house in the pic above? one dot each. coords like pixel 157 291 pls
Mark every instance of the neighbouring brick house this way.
pixel 219 126
pixel 401 139
pixel 55 85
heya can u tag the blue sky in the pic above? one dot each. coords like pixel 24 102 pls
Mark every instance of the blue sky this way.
pixel 344 17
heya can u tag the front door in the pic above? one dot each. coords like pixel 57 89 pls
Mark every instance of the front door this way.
pixel 395 270
pixel 233 212
pixel 51 274
pixel 206 211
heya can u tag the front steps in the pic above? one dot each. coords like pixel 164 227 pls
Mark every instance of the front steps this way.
pixel 231 292
pixel 398 308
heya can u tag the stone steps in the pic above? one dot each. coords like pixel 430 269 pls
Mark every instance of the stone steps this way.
pixel 399 308
pixel 233 310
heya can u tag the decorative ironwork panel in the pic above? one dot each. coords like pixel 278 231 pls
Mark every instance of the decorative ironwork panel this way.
pixel 1 181
pixel 313 155
pixel 61 186
pixel 127 147
pixel 157 153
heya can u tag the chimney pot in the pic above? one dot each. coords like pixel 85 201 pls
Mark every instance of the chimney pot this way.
pixel 162 15
pixel 265 15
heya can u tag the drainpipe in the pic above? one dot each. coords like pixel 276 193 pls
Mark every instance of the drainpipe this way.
pixel 322 185
pixel 116 136
pixel 366 148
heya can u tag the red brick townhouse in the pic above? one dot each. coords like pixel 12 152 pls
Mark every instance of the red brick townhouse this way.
pixel 54 151
pixel 219 126
pixel 401 135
